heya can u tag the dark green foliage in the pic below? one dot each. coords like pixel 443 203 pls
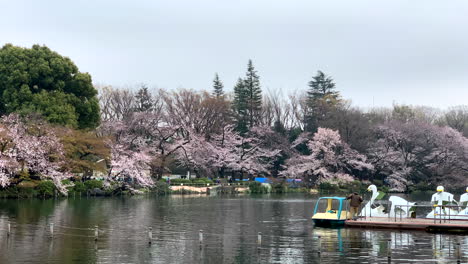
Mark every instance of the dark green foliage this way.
pixel 195 181
pixel 217 87
pixel 93 184
pixel 321 100
pixel 424 187
pixel 46 189
pixel 144 100
pixel 247 103
pixel 202 181
pixel 79 187
pixel 38 80
pixel 256 187
pixel 354 186
pixel 253 95
pixel 66 182
pixel 239 105
pixel 179 181
pixel 17 192
pixel 161 188
pixel 279 187
pixel 329 187
pixel 322 86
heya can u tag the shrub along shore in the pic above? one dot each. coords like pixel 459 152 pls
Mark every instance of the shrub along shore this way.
pixel 47 189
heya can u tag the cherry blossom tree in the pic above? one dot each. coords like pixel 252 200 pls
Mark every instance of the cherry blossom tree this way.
pixel 254 153
pixel 31 148
pixel 142 146
pixel 326 158
pixel 415 152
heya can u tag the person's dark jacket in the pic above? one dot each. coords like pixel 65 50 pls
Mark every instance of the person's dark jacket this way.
pixel 355 200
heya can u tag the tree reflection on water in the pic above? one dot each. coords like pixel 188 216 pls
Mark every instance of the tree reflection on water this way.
pixel 230 225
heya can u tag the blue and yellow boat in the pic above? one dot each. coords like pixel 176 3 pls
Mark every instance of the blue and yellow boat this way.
pixel 330 212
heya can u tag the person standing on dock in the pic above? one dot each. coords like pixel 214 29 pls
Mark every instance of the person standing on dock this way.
pixel 354 204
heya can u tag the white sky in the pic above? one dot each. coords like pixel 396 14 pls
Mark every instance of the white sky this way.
pixel 378 52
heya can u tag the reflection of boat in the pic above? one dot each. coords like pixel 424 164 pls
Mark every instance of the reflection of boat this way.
pixel 330 212
pixel 439 199
pixel 330 238
pixel 372 209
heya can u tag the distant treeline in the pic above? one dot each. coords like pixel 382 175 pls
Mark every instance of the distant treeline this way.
pixel 140 134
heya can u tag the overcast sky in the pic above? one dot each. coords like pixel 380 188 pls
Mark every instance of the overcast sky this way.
pixel 379 52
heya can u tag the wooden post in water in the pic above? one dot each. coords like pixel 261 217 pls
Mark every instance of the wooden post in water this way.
pixel 8 230
pixel 51 230
pixel 389 249
pixel 150 235
pixel 259 239
pixel 200 237
pixel 458 253
pixel 319 245
pixel 96 233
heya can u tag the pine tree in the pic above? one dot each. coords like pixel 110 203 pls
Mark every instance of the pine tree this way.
pixel 253 95
pixel 144 102
pixel 239 105
pixel 217 87
pixel 321 99
pixel 322 86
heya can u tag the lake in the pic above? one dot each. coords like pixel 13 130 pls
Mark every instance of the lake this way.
pixel 230 227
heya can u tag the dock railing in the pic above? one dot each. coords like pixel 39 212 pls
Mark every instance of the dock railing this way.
pixel 441 213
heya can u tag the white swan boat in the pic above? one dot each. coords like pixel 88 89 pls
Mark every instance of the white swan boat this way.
pixel 438 200
pixel 463 213
pixel 371 209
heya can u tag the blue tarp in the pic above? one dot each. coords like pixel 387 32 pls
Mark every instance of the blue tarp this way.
pixel 261 180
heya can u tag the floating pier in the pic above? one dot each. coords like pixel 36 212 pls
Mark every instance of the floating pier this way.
pixel 423 224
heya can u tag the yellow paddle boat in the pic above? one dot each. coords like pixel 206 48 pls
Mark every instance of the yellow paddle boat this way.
pixel 330 212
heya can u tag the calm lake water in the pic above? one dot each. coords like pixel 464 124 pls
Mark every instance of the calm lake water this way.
pixel 230 225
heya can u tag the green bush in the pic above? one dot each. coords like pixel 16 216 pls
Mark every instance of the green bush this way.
pixel 161 188
pixel 256 187
pixel 79 187
pixel 421 187
pixel 46 188
pixel 66 182
pixel 93 184
pixel 179 181
pixel 329 187
pixel 354 186
pixel 202 181
pixel 279 187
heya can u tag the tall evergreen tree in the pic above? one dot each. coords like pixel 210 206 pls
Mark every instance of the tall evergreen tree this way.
pixel 217 87
pixel 144 101
pixel 239 105
pixel 321 99
pixel 253 95
pixel 322 86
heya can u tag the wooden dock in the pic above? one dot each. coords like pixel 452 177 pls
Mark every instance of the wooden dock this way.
pixel 429 225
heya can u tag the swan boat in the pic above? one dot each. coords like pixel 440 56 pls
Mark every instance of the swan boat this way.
pixel 441 199
pixel 438 200
pixel 463 214
pixel 398 207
